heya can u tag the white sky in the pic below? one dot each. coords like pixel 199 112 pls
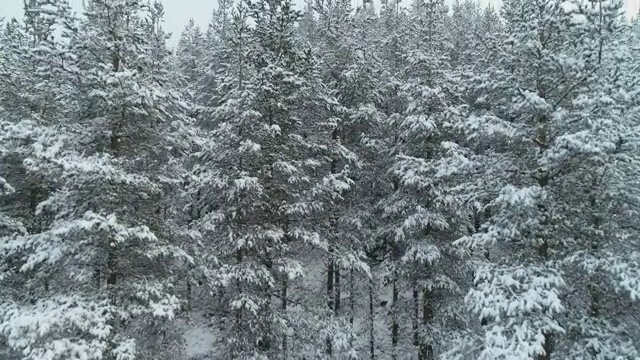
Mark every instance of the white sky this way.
pixel 178 12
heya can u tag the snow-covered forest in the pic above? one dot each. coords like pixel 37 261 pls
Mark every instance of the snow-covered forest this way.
pixel 402 181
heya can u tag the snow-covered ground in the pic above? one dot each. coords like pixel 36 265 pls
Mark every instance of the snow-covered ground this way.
pixel 198 338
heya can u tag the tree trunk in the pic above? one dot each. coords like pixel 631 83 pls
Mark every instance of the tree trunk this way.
pixel 372 341
pixel 352 307
pixel 416 316
pixel 112 255
pixel 189 290
pixel 426 348
pixel 330 294
pixel 284 312
pixel 548 346
pixel 351 299
pixel 543 249
pixel 264 344
pixel 96 277
pixel 333 273
pixel 394 320
pixel 112 264
pixel 112 278
pixel 337 292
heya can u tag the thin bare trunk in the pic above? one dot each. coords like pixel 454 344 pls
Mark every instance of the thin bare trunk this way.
pixel 351 298
pixel 416 315
pixel 426 348
pixel 337 292
pixel 284 312
pixel 330 304
pixel 372 339
pixel 394 320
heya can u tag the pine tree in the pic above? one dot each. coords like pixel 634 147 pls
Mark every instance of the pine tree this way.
pixel 424 213
pixel 190 59
pixel 107 240
pixel 19 141
pixel 223 192
pixel 353 68
pixel 464 36
pixel 269 186
pixel 551 146
pixel 216 43
pixel 31 66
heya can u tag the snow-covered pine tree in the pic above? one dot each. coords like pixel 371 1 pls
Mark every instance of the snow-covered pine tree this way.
pixel 224 193
pixel 30 107
pixel 487 30
pixel 30 101
pixel 19 141
pixel 216 43
pixel 220 25
pixel 424 214
pixel 14 48
pixel 603 197
pixel 392 27
pixel 463 34
pixel 307 28
pixel 268 184
pixel 179 139
pixel 17 73
pixel 348 46
pixel 33 65
pixel 190 59
pixel 105 289
pixel 27 100
pixel 552 115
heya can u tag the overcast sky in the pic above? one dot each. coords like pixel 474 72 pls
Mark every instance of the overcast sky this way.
pixel 178 12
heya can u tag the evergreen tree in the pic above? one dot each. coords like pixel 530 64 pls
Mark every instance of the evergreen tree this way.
pixel 107 240
pixel 190 59
pixel 216 43
pixel 353 69
pixel 32 69
pixel 424 214
pixel 555 146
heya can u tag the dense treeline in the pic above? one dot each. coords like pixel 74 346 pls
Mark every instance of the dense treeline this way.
pixel 408 182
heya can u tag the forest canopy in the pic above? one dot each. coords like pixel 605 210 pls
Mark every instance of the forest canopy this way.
pixel 412 181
